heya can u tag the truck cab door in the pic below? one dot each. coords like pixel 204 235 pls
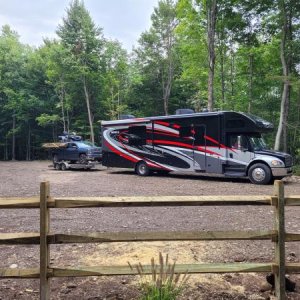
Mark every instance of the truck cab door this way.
pixel 239 153
pixel 71 152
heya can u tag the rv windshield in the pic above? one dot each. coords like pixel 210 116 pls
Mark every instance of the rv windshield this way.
pixel 257 143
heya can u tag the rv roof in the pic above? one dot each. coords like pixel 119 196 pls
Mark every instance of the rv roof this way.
pixel 149 119
pixel 259 124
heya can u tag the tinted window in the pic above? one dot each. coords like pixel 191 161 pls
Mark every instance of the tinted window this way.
pixel 185 131
pixel 137 135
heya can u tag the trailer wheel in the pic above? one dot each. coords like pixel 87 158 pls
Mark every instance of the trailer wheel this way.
pixel 63 167
pixel 55 158
pixel 57 166
pixel 142 169
pixel 82 158
pixel 260 174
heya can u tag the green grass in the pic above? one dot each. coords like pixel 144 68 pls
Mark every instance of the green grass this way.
pixel 163 283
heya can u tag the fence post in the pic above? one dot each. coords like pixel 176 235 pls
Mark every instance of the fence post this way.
pixel 279 271
pixel 44 250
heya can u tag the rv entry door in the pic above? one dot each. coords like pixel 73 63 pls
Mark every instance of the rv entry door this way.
pixel 199 147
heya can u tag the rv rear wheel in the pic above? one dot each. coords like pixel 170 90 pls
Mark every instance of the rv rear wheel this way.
pixel 260 174
pixel 142 169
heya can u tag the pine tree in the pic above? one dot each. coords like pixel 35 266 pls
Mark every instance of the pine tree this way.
pixel 84 41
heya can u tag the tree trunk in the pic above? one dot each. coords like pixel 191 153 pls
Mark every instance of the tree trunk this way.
pixel 222 76
pixel 167 84
pixel 62 96
pixel 6 149
pixel 232 62
pixel 28 144
pixel 28 148
pixel 284 107
pixel 68 120
pixel 87 98
pixel 297 121
pixel 250 82
pixel 167 88
pixel 211 29
pixel 13 147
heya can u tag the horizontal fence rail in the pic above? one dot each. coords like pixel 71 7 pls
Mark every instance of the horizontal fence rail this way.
pixel 102 237
pixel 74 202
pixel 44 238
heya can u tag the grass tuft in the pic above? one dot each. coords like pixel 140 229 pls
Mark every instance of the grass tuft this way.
pixel 163 283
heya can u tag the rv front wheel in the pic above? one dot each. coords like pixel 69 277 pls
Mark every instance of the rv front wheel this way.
pixel 142 169
pixel 260 174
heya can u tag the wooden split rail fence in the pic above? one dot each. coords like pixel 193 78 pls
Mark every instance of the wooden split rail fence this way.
pixel 44 238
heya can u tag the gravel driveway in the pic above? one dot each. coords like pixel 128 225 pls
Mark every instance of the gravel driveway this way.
pixel 23 178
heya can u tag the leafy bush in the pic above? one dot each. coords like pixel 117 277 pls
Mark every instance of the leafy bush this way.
pixel 163 283
pixel 296 170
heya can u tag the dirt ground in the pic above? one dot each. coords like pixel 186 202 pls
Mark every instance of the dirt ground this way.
pixel 23 178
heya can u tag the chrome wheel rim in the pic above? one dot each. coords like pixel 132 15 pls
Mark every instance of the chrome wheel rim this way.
pixel 143 169
pixel 258 174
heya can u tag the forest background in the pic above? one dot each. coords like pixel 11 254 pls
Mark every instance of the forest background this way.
pixel 241 55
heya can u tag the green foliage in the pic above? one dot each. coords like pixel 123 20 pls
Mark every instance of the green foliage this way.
pixel 163 283
pixel 45 90
pixel 45 119
pixel 157 60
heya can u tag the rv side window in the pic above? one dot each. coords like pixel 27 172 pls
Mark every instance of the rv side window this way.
pixel 185 131
pixel 137 135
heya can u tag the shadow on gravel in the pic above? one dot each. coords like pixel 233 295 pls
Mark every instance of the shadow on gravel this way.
pixel 79 170
pixel 187 176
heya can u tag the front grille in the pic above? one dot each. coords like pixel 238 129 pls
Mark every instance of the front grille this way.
pixel 288 161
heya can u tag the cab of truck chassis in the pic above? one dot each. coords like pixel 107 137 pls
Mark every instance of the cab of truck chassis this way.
pixel 224 142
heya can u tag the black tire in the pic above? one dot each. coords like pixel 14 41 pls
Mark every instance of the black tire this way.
pixel 63 167
pixel 142 169
pixel 57 166
pixel 260 174
pixel 55 158
pixel 82 158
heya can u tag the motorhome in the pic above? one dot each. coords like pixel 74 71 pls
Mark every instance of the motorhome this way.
pixel 223 142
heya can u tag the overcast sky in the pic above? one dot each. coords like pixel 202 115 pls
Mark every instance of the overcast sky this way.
pixel 123 20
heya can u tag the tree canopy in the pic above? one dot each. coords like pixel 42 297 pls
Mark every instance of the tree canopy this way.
pixel 215 55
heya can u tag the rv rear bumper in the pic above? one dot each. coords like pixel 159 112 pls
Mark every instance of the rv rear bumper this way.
pixel 279 172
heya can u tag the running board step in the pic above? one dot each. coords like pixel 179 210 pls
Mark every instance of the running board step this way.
pixel 235 174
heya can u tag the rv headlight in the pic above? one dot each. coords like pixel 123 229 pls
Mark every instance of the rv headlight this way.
pixel 277 163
